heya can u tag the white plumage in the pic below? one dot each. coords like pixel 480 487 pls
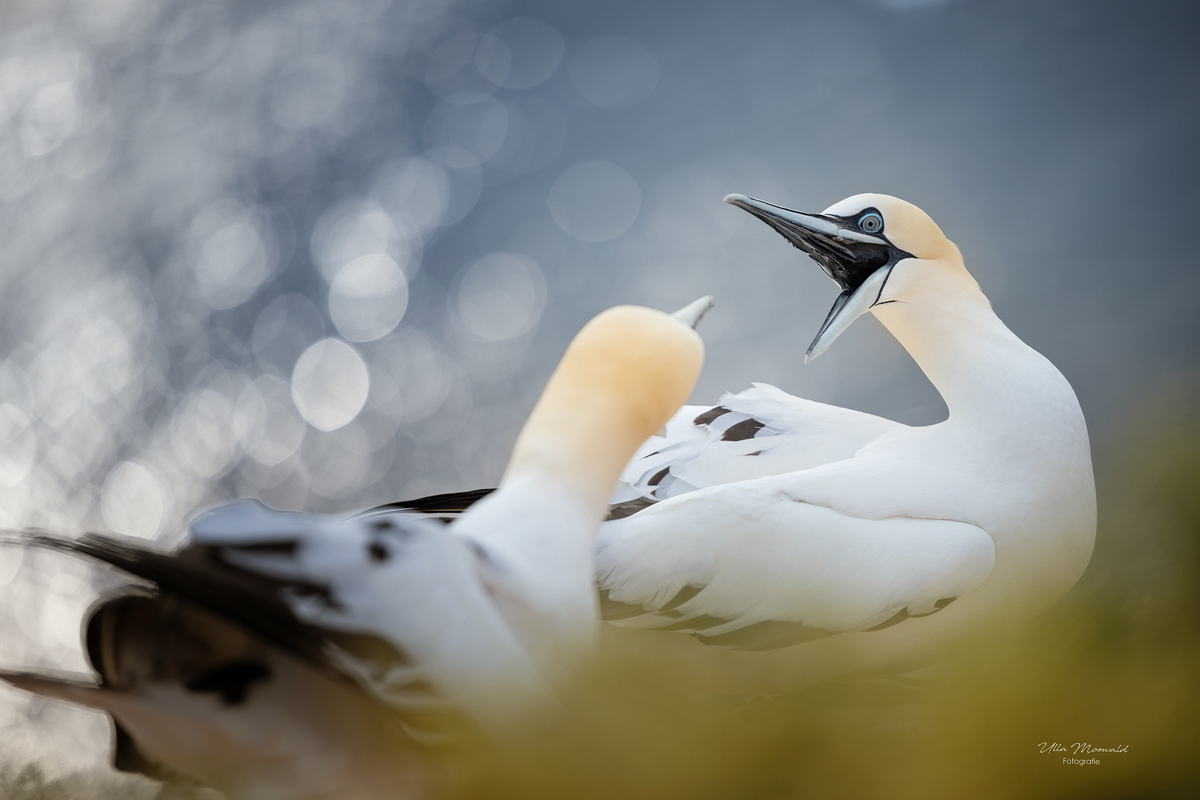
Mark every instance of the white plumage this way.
pixel 757 432
pixel 770 520
pixel 287 655
pixel 764 522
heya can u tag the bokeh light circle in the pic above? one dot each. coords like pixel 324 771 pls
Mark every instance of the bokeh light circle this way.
pixel 330 384
pixel 501 296
pixel 356 227
pixel 367 298
pixel 595 201
pixel 132 501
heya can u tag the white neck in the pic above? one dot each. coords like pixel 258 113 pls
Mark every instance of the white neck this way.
pixel 1019 427
pixel 980 367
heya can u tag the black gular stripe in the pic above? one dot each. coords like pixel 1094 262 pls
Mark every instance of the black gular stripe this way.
pixel 231 682
pixel 742 430
pixel 708 417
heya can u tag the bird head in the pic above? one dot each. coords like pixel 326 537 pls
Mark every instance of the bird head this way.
pixel 878 249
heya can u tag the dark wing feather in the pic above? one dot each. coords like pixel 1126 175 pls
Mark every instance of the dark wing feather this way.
pixel 448 507
pixel 444 506
pixel 126 757
pixel 198 574
pixel 766 635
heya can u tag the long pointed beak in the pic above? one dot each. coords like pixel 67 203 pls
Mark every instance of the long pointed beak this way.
pixel 858 262
pixel 694 311
pixel 849 306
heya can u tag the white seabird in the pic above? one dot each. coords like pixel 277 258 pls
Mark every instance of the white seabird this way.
pixel 770 520
pixel 286 655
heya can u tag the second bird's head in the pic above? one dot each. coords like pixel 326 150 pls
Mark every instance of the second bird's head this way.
pixel 878 249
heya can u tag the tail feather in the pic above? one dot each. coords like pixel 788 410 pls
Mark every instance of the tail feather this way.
pixel 71 691
pixel 130 626
pixel 198 574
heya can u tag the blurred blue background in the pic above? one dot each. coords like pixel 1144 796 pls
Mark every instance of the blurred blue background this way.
pixel 326 253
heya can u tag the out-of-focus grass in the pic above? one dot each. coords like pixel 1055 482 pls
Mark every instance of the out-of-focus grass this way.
pixel 31 783
pixel 1116 663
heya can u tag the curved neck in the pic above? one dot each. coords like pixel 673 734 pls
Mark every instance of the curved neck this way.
pixel 974 361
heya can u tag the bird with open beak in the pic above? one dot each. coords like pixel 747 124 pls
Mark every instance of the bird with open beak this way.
pixel 769 521
pixel 853 249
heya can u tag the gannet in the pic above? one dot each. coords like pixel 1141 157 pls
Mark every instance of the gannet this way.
pixel 280 654
pixel 769 520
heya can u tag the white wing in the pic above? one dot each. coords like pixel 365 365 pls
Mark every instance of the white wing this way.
pixel 396 577
pixel 759 432
pixel 389 600
pixel 746 566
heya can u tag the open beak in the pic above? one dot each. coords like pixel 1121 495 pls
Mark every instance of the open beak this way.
pixel 858 262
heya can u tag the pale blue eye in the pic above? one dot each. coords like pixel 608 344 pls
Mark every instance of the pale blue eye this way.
pixel 870 223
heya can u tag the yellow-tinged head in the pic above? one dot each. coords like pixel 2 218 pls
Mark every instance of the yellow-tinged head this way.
pixel 623 376
pixel 878 249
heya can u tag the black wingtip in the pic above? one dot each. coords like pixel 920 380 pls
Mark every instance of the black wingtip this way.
pixel 438 505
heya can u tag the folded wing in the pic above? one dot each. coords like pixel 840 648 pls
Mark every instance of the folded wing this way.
pixel 748 567
pixel 388 602
pixel 759 432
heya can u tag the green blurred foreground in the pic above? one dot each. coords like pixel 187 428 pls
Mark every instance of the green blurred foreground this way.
pixel 1115 665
